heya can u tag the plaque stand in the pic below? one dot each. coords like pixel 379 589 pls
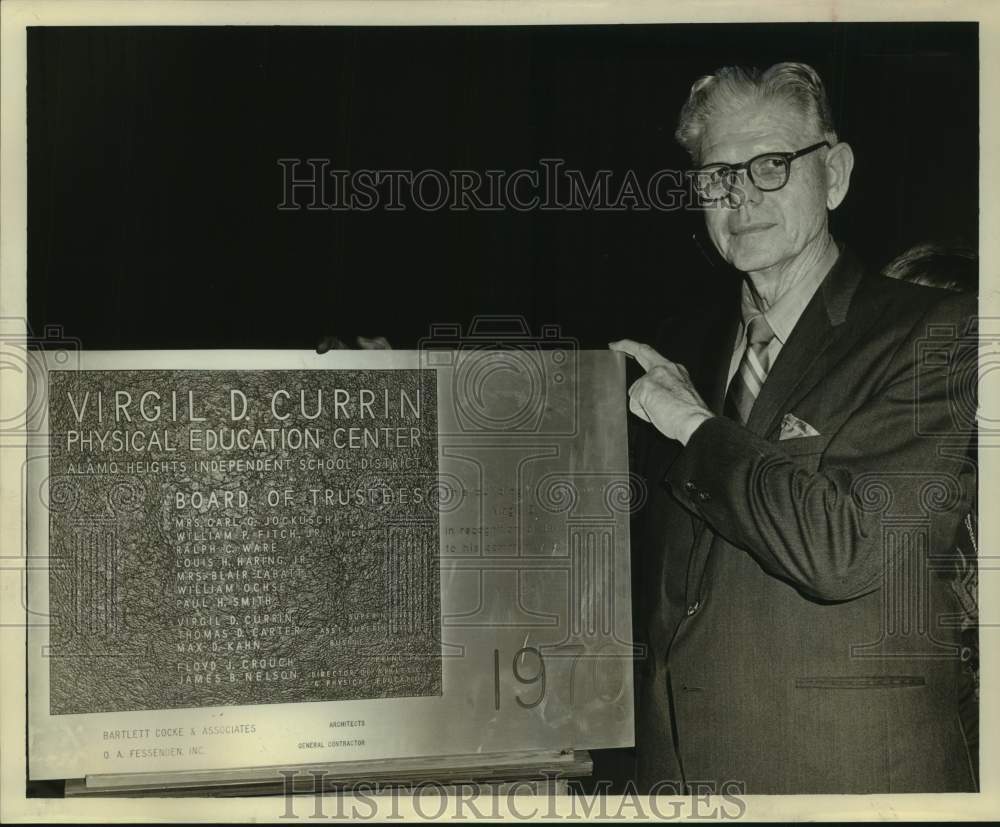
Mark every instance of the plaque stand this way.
pixel 534 772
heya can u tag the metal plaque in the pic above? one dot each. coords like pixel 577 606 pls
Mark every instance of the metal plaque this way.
pixel 245 559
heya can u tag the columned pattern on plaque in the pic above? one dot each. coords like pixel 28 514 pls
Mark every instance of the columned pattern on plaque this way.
pixel 410 572
pixel 591 579
pixel 96 571
pixel 593 505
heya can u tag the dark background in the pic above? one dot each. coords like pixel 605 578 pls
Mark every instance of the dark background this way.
pixel 153 180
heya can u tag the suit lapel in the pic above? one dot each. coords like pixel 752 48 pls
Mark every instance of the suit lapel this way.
pixel 811 337
pixel 814 343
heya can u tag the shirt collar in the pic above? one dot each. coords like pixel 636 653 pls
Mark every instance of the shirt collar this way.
pixel 785 312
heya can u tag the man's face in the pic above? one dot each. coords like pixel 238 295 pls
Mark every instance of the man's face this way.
pixel 766 228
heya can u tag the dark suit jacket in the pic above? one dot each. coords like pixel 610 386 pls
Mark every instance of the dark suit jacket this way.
pixel 794 593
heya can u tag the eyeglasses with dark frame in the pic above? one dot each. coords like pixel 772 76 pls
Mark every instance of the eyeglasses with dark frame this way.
pixel 768 172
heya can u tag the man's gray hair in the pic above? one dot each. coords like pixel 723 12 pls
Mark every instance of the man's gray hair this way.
pixel 731 86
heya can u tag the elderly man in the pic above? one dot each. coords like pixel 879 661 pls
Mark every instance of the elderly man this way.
pixel 806 465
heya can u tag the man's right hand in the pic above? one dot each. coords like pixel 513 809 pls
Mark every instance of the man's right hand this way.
pixel 665 396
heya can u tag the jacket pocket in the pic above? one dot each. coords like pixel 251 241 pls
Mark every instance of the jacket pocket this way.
pixel 860 682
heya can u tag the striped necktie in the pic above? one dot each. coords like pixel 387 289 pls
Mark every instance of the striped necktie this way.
pixel 749 378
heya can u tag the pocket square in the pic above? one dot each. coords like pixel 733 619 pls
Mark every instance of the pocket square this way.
pixel 792 427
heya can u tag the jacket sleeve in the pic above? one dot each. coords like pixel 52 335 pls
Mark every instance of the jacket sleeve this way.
pixel 820 520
